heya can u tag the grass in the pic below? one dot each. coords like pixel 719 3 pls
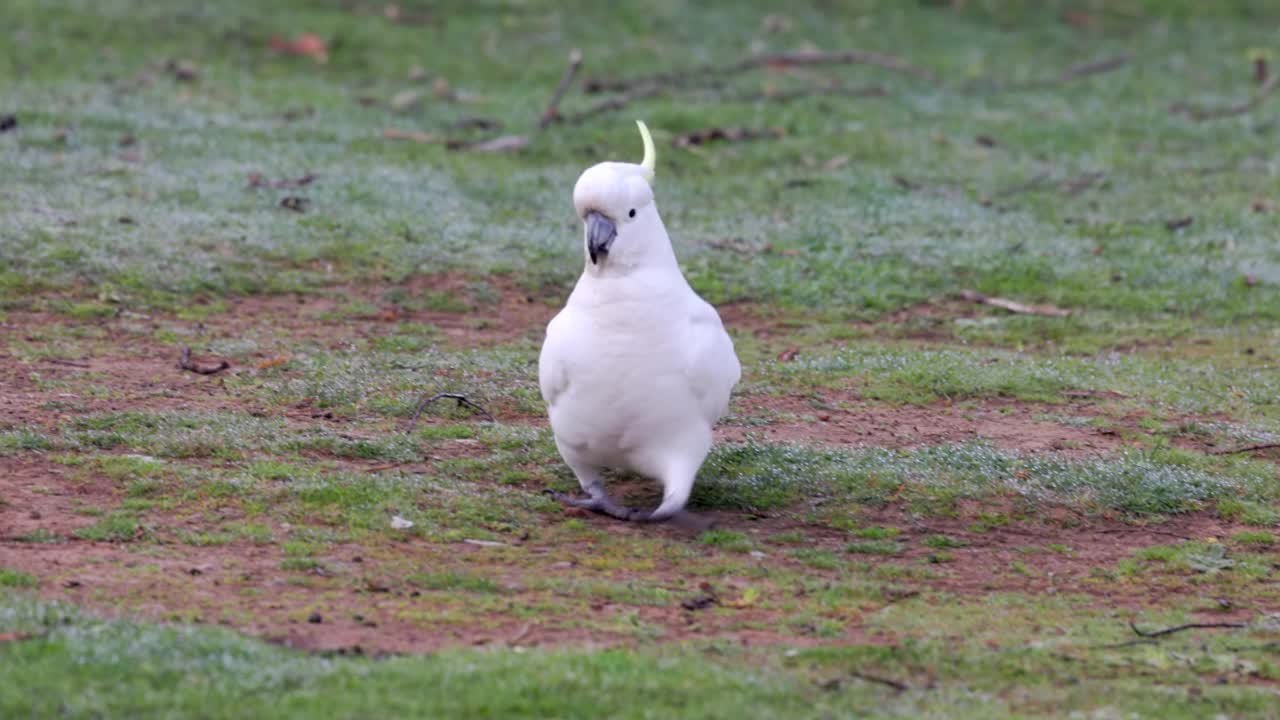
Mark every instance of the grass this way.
pixel 123 668
pixel 130 228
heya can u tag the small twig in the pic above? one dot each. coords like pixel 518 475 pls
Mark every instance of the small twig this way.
pixel 462 402
pixel 521 634
pixel 1071 74
pixel 1036 181
pixel 71 363
pixel 553 112
pixel 1247 448
pixel 1012 306
pixel 1144 531
pixel 1180 628
pixel 695 76
pixel 1147 638
pixel 899 686
pixel 611 104
pixel 186 363
pixel 1097 67
pixel 824 91
pixel 1240 108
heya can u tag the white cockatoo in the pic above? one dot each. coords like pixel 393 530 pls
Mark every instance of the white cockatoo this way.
pixel 636 369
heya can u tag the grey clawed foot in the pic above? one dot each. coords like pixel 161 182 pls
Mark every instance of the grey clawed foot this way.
pixel 602 504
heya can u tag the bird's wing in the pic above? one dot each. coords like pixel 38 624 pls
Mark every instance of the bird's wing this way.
pixel 710 362
pixel 553 370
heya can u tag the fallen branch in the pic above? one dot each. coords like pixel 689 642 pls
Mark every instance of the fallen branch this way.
pixel 806 58
pixel 1247 449
pixel 186 363
pixel 1240 108
pixel 1012 306
pixel 552 112
pixel 462 402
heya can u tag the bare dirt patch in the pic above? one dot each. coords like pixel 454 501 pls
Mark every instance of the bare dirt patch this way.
pixel 547 590
pixel 841 419
pixel 501 312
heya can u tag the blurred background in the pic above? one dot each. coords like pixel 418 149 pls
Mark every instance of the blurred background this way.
pixel 1118 155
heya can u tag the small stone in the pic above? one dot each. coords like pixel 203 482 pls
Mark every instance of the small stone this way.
pixel 315 619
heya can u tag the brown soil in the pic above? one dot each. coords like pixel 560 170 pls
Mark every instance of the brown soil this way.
pixel 361 601
pixel 842 419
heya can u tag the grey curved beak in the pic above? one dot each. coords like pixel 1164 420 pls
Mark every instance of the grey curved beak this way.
pixel 600 235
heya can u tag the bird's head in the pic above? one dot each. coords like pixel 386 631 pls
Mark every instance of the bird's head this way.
pixel 614 200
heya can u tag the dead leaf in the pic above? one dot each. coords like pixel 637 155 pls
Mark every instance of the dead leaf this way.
pixel 505 143
pixel 413 135
pixel 307 45
pixel 295 203
pixel 185 362
pixel 273 362
pixel 1178 223
pixel 406 100
pixel 788 355
pixel 749 598
pixel 836 163
pixel 182 70
pixel 703 137
pixel 1013 306
pixel 15 637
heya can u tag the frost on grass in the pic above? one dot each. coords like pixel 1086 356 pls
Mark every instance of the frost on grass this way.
pixel 752 476
pixel 894 374
pixel 226 660
pixel 394 383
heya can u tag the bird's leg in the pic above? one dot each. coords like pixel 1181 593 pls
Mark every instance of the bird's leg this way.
pixel 597 500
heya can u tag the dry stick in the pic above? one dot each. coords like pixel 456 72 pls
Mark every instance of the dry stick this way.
pixel 900 687
pixel 1071 74
pixel 684 78
pixel 1098 67
pixel 789 95
pixel 1247 448
pixel 462 402
pixel 1145 638
pixel 1240 108
pixel 1036 181
pixel 613 103
pixel 69 363
pixel 1188 626
pixel 552 112
pixel 1012 306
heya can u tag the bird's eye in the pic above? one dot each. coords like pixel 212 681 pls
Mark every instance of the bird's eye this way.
pixel 632 213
